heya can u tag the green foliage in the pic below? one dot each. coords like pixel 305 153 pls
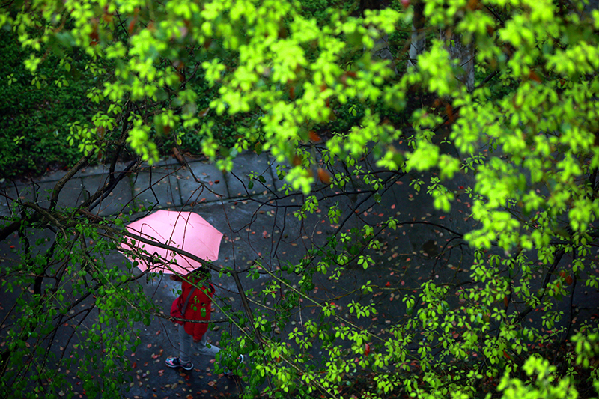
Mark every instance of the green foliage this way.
pixel 227 76
pixel 94 316
pixel 37 109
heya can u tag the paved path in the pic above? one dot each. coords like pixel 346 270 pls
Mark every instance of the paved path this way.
pixel 165 185
pixel 260 227
pixel 256 228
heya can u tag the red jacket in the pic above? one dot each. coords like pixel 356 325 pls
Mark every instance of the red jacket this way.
pixel 198 308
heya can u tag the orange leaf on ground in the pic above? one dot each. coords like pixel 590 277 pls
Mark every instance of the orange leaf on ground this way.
pixel 324 176
pixel 314 136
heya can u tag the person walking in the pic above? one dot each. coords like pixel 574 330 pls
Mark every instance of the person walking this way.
pixel 193 304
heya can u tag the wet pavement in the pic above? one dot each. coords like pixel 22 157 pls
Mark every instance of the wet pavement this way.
pixel 259 226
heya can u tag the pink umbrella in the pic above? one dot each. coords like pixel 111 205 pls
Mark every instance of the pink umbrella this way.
pixel 184 230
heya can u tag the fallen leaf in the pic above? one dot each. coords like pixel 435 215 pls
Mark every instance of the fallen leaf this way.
pixel 324 176
pixel 314 136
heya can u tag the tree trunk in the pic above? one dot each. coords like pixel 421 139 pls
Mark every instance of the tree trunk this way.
pixel 418 43
pixel 464 53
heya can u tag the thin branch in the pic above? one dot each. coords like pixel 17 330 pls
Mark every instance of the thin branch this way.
pixel 59 186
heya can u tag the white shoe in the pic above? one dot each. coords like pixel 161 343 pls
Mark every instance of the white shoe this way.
pixel 208 350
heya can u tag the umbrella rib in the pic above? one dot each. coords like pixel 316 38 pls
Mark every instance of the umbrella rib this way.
pixel 158 263
pixel 168 247
pixel 172 245
pixel 180 215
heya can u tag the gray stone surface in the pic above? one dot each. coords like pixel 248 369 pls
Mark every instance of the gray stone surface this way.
pixel 40 192
pixel 258 229
pixel 119 199
pixel 101 169
pixel 210 186
pixel 51 176
pixel 282 166
pixel 244 165
pixel 156 186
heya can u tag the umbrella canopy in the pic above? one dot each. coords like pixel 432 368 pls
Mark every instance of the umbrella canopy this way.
pixel 184 230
